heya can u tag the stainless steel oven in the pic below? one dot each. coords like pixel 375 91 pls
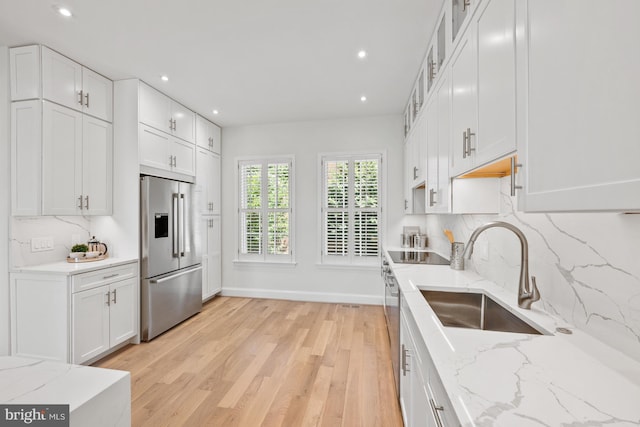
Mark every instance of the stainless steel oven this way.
pixel 392 315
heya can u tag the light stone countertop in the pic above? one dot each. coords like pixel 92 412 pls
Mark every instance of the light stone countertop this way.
pixel 96 396
pixel 69 269
pixel 510 379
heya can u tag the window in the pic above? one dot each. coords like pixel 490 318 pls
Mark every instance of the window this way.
pixel 265 211
pixel 351 209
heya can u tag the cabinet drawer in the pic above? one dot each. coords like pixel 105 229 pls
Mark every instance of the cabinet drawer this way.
pixel 82 282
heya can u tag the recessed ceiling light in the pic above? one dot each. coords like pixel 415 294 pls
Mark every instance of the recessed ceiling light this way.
pixel 363 98
pixel 215 112
pixel 362 54
pixel 164 78
pixel 64 12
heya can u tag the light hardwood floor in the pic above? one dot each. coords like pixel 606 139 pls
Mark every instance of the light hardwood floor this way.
pixel 257 362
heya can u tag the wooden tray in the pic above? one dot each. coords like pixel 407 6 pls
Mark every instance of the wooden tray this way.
pixel 79 260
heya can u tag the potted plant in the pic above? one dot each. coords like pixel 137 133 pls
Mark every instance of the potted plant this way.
pixel 79 251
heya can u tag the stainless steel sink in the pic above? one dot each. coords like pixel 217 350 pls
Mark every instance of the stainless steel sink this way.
pixel 475 311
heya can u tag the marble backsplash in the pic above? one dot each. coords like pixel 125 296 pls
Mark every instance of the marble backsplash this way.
pixel 65 230
pixel 587 265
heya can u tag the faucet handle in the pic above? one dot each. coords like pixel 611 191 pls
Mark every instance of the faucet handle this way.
pixel 534 292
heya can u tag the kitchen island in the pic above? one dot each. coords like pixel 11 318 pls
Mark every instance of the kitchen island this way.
pixel 96 397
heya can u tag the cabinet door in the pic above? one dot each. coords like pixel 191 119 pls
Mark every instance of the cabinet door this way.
pixel 431 114
pixel 61 79
pixel 184 122
pixel 214 185
pixel 123 311
pixel 97 166
pixel 496 88
pixel 442 190
pixel 203 134
pixel 26 166
pixel 154 148
pixel 155 109
pixel 203 180
pixel 581 143
pixel 459 13
pixel 406 367
pixel 463 105
pixel 214 272
pixel 61 160
pixel 216 139
pixel 98 95
pixel 184 156
pixel 408 176
pixel 90 319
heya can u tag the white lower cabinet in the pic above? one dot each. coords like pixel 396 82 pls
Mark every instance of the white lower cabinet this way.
pixel 103 317
pixel 73 318
pixel 211 257
pixel 423 400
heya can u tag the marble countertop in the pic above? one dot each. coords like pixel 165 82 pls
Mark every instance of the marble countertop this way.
pixel 508 379
pixel 68 269
pixel 33 381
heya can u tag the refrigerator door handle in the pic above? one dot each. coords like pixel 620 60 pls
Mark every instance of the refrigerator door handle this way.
pixel 182 228
pixel 174 231
pixel 164 279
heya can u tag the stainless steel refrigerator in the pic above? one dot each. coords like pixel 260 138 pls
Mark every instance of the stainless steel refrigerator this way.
pixel 171 270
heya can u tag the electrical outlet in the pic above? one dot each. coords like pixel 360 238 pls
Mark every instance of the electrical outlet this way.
pixel 41 244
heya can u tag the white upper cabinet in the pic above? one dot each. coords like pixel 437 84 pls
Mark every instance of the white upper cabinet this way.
pixel 483 83
pixel 162 151
pixel 438 136
pixel 208 181
pixel 70 84
pixel 26 157
pixel 578 121
pixel 77 163
pixel 207 135
pixel 463 105
pixel 161 112
pixel 460 12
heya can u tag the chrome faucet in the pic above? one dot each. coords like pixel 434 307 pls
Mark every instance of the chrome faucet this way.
pixel 527 294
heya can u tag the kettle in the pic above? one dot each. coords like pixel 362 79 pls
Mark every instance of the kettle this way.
pixel 97 246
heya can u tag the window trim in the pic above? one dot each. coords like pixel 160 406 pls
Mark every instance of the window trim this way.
pixel 351 260
pixel 265 258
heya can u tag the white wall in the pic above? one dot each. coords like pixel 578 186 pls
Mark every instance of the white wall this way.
pixel 305 140
pixel 5 195
pixel 587 264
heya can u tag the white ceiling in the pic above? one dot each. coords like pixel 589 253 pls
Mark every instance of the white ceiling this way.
pixel 256 61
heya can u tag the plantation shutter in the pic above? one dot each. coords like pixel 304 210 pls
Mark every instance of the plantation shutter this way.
pixel 265 212
pixel 351 209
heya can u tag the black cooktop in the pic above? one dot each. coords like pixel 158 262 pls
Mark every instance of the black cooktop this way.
pixel 414 257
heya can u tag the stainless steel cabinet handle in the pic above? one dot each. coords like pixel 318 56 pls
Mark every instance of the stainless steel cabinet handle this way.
pixel 434 411
pixel 464 144
pixel 170 124
pixel 432 193
pixel 415 172
pixel 465 5
pixel 467 143
pixel 406 203
pixel 404 361
pixel 80 202
pixel 114 300
pixel 514 167
pixel 175 124
pixel 86 201
pixel 110 276
pixel 80 95
pixel 108 302
pixel 170 160
pixel 86 97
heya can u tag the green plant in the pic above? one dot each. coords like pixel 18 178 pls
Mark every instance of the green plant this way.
pixel 80 248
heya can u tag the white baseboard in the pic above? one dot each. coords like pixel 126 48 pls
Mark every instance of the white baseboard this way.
pixel 302 296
